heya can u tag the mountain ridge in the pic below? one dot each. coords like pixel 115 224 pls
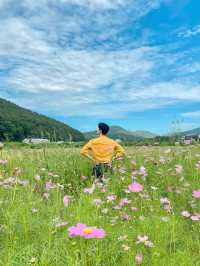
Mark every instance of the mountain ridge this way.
pixel 17 123
pixel 195 131
pixel 118 132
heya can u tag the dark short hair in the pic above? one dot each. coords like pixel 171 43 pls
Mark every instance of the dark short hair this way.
pixel 104 128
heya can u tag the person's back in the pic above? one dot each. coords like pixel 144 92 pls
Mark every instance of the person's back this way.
pixel 101 150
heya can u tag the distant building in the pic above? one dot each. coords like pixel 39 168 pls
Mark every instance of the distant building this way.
pixel 187 141
pixel 58 142
pixel 190 139
pixel 35 141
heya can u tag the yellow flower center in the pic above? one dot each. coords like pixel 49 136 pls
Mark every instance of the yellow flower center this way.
pixel 87 231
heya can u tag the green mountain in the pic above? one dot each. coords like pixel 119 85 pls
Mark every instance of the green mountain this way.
pixel 117 132
pixel 17 123
pixel 195 131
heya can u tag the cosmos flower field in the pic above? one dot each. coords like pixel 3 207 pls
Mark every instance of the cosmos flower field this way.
pixel 147 212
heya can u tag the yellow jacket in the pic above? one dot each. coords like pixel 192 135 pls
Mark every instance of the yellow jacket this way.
pixel 102 149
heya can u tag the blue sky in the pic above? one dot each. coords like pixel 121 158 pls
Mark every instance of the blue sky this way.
pixel 134 63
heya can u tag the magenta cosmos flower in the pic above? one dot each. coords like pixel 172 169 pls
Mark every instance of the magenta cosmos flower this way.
pixel 135 187
pixel 86 231
pixel 66 201
pixel 196 194
pixel 179 168
pixel 3 162
pixel 195 217
pixel 138 259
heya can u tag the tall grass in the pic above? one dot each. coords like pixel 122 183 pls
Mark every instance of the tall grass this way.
pixel 28 231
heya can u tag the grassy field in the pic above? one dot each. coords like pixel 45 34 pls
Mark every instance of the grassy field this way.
pixel 159 224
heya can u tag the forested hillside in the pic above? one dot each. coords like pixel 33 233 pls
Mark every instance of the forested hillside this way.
pixel 17 123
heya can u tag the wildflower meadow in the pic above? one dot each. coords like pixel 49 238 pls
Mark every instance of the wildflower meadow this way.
pixel 146 212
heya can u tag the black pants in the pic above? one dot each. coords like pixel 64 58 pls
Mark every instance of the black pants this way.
pixel 100 169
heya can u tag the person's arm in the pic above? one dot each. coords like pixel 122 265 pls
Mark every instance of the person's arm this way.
pixel 119 151
pixel 85 151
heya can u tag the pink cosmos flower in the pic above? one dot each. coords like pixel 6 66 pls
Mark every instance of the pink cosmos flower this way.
pixel 37 178
pixel 104 190
pixel 179 168
pixel 84 231
pixel 185 214
pixel 124 201
pixel 3 162
pixel 125 217
pixel 97 202
pixel 133 162
pixel 144 240
pixel 166 204
pixel 195 217
pixel 165 201
pixel 135 187
pixel 89 190
pixel 49 185
pixel 141 239
pixel 111 198
pixel 196 194
pixel 66 201
pixel 138 259
pixel 142 171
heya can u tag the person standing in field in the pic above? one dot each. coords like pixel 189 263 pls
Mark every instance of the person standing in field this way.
pixel 102 150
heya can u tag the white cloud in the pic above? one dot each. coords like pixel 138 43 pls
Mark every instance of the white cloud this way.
pixel 185 126
pixel 190 32
pixel 80 70
pixel 195 114
pixel 140 5
pixel 189 68
pixel 104 4
pixel 19 39
pixel 53 62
